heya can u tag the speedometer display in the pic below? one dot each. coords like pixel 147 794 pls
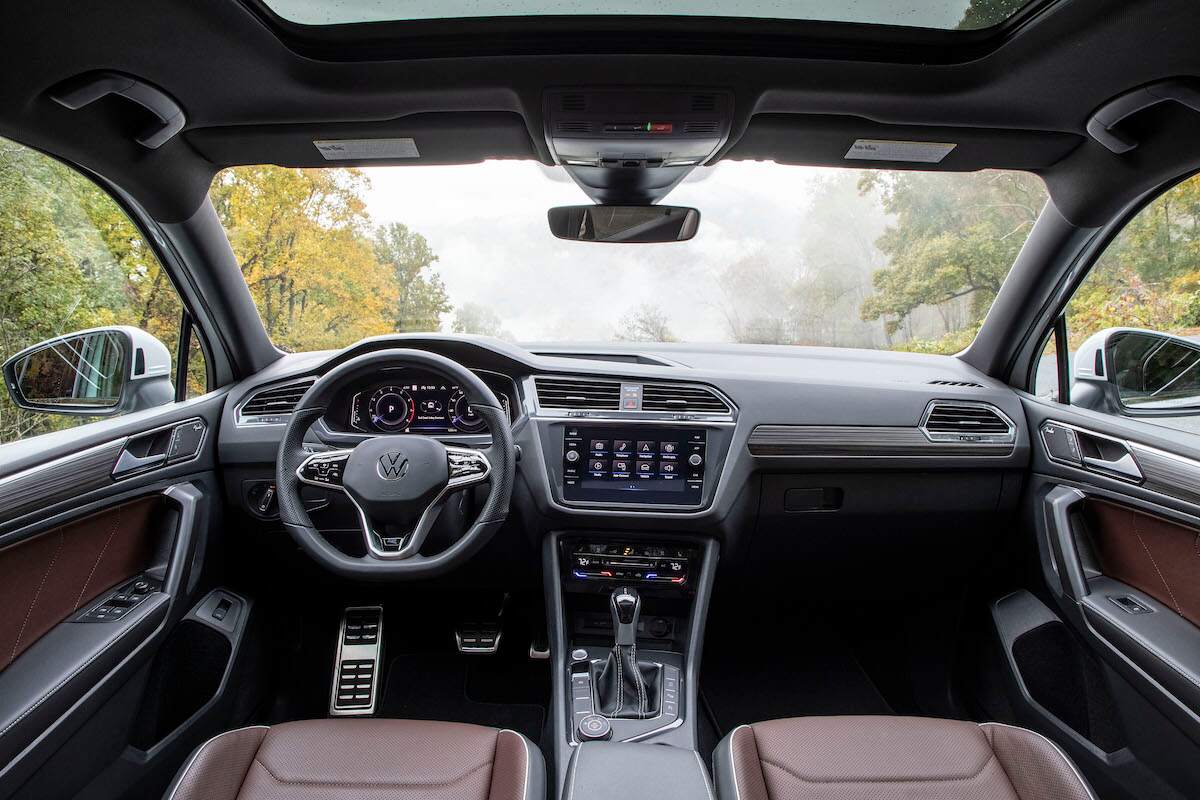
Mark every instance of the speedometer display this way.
pixel 420 404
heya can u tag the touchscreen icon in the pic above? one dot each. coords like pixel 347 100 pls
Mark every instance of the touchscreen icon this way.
pixel 669 448
pixel 646 448
pixel 622 446
pixel 645 468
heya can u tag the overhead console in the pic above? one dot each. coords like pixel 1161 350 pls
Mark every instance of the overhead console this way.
pixel 632 147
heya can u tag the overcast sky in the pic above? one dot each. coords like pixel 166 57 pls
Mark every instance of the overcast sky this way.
pixel 919 13
pixel 487 224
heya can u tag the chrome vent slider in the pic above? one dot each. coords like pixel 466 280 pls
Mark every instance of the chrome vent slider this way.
pixel 966 421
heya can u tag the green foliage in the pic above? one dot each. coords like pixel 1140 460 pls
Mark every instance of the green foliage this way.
pixel 479 319
pixel 423 297
pixel 950 240
pixel 986 13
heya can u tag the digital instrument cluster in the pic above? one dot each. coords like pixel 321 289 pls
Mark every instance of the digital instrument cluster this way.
pixel 416 403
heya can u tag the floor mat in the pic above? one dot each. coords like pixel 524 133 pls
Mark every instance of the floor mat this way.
pixel 819 677
pixel 457 688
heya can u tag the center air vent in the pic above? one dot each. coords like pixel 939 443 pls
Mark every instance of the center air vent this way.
pixel 966 422
pixel 272 405
pixel 599 395
pixel 704 102
pixel 705 126
pixel 682 399
pixel 573 126
pixel 573 102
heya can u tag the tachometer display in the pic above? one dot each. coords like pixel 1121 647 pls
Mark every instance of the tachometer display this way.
pixel 392 408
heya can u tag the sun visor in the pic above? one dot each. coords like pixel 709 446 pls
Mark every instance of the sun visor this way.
pixel 430 138
pixel 837 141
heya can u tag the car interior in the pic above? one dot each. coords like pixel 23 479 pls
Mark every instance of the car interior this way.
pixel 257 543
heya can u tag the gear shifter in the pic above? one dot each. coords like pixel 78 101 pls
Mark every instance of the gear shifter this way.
pixel 627 688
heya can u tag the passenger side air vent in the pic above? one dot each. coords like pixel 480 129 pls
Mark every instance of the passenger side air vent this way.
pixel 601 395
pixel 682 399
pixel 960 384
pixel 273 405
pixel 966 422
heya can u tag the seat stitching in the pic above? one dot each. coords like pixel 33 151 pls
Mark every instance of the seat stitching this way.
pixel 525 747
pixel 112 533
pixel 196 756
pixel 36 596
pixel 389 784
pixel 1154 563
pixel 930 779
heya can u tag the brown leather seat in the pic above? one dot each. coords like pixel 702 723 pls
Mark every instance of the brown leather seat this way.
pixel 892 758
pixel 364 759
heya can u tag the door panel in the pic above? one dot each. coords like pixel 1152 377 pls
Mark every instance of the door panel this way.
pixel 1153 555
pixel 47 577
pixel 1120 558
pixel 86 513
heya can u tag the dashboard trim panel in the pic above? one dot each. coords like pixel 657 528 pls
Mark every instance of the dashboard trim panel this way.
pixel 855 441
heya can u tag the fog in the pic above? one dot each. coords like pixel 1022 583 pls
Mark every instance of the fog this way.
pixel 767 232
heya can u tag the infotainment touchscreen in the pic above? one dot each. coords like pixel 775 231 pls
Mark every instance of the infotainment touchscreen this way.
pixel 634 464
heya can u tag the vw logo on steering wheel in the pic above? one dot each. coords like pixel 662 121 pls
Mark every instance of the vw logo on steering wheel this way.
pixel 392 466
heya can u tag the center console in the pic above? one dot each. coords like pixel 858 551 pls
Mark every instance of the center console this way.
pixel 627 616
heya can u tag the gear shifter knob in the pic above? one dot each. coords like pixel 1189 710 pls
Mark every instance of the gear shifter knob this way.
pixel 626 606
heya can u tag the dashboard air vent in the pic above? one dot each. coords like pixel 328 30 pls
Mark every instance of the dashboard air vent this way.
pixel 600 395
pixel 965 421
pixel 704 102
pixel 684 399
pixel 701 127
pixel 574 126
pixel 280 400
pixel 960 384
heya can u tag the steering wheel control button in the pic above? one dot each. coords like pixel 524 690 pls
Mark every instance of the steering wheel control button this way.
pixel 324 469
pixel 594 728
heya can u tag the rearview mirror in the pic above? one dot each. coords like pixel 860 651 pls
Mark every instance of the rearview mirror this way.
pixel 91 373
pixel 1134 371
pixel 629 224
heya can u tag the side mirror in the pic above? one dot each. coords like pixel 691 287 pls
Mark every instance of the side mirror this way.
pixel 91 373
pixel 627 224
pixel 1138 372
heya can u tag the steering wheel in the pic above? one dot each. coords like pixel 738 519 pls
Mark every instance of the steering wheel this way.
pixel 398 483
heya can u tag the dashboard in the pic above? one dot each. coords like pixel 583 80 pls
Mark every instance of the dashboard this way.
pixel 414 402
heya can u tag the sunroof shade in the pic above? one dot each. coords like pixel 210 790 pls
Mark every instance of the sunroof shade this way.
pixel 943 14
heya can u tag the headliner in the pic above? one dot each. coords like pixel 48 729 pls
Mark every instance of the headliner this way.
pixel 254 89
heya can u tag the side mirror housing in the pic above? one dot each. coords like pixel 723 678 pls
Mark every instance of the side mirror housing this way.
pixel 95 372
pixel 1138 372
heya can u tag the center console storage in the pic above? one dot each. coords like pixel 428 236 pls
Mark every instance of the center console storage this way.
pixel 603 770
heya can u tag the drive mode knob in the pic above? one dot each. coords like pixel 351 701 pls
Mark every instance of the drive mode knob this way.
pixel 695 460
pixel 572 455
pixel 594 727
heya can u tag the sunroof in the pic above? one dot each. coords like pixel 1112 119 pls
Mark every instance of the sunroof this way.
pixel 942 14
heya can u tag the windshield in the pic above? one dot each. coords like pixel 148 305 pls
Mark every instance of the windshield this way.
pixel 783 255
pixel 964 14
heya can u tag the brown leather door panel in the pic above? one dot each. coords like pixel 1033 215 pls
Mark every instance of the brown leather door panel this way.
pixel 1149 553
pixel 47 577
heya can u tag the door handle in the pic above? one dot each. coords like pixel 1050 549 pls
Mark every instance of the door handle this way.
pixel 1124 467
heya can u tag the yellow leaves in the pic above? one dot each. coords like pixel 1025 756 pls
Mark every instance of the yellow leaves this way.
pixel 301 240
